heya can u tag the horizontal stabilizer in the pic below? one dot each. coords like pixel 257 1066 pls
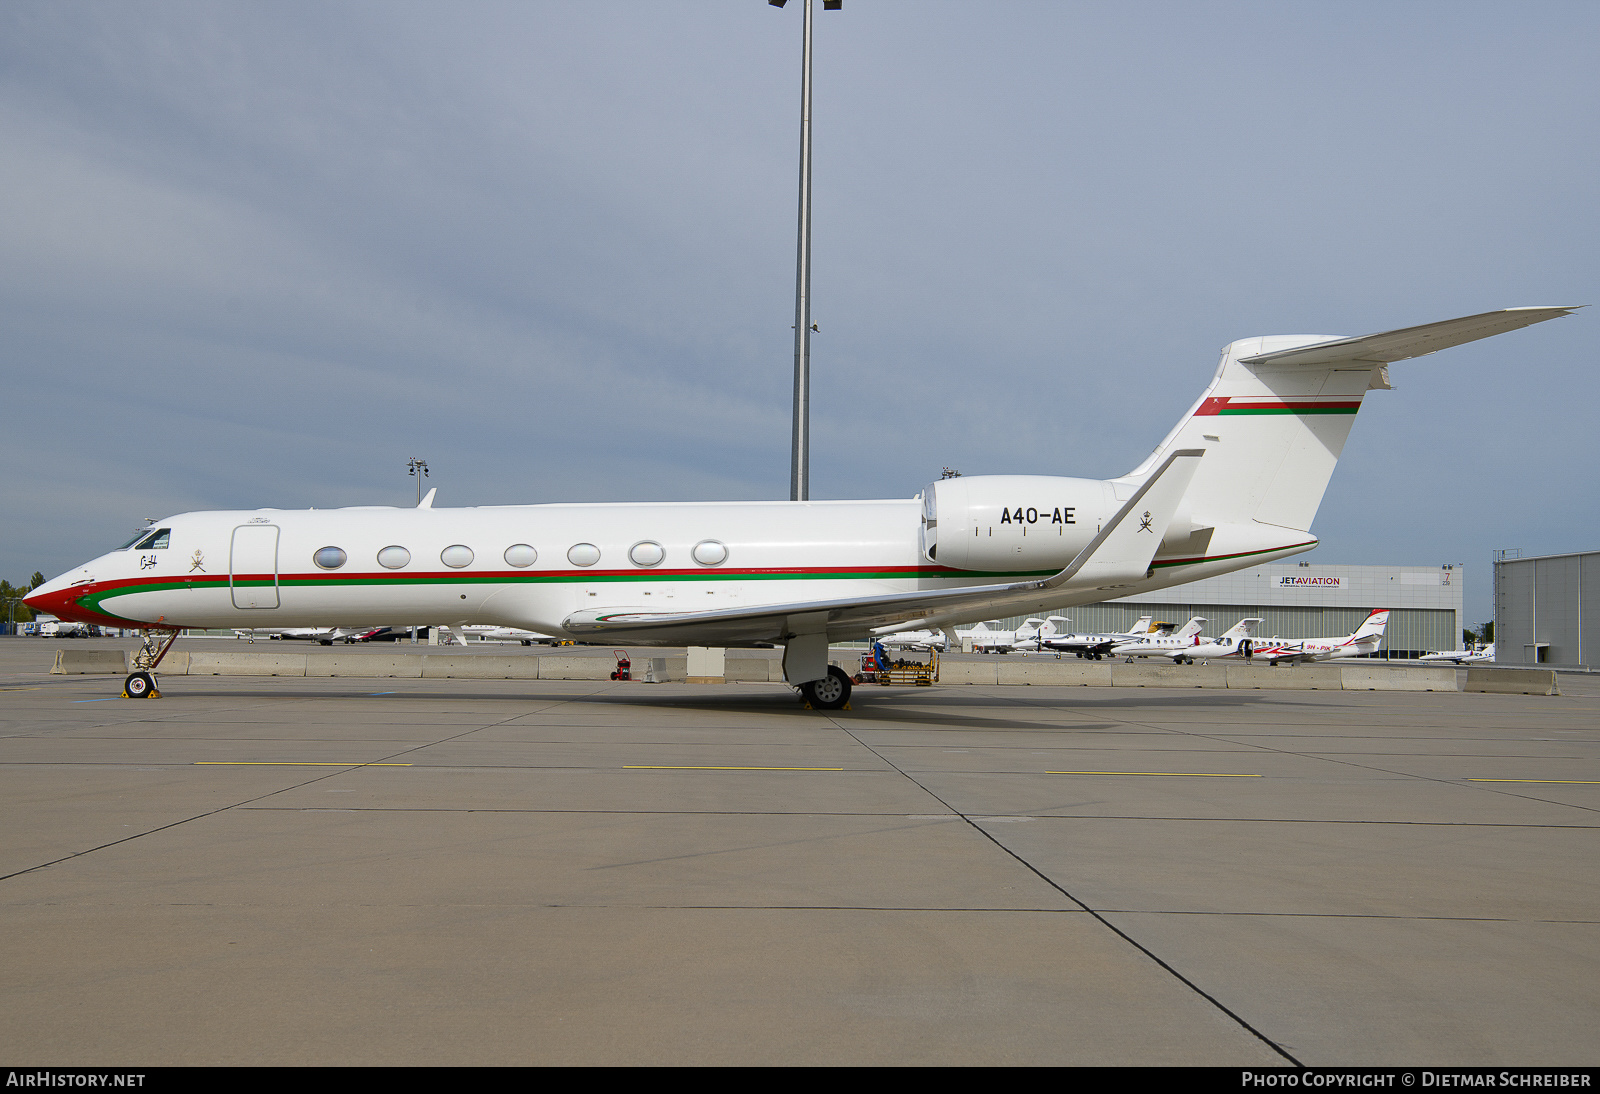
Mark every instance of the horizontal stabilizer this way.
pixel 1407 342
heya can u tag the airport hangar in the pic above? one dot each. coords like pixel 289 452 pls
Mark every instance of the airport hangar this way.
pixel 1541 604
pixel 1303 600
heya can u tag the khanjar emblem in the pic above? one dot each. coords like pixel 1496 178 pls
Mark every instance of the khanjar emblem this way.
pixel 198 558
pixel 1144 525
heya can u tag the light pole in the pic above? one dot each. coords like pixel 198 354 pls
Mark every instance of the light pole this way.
pixel 800 451
pixel 413 466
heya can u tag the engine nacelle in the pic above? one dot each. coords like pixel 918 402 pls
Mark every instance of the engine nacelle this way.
pixel 1012 524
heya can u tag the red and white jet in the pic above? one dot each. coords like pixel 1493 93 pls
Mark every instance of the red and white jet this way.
pixel 1367 638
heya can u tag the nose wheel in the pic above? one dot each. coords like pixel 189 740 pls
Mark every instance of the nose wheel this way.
pixel 141 682
pixel 140 685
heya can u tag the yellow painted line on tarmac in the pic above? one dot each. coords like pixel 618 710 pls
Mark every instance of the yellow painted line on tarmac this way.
pixel 290 763
pixel 1562 782
pixel 1164 774
pixel 686 767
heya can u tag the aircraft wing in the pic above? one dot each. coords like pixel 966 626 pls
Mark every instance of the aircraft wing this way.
pixel 1407 342
pixel 1119 554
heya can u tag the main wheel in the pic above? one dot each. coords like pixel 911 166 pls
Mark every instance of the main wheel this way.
pixel 139 685
pixel 829 693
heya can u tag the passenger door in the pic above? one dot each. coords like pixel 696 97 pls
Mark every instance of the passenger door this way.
pixel 253 566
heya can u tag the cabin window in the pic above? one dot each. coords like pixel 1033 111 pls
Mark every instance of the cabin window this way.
pixel 583 554
pixel 156 540
pixel 456 556
pixel 708 552
pixel 394 558
pixel 647 553
pixel 329 558
pixel 521 555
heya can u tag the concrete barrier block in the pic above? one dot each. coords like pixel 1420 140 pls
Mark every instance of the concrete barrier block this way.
pixel 205 663
pixel 1162 675
pixel 1286 678
pixel 666 670
pixel 969 672
pixel 1075 672
pixel 581 668
pixel 1512 681
pixel 751 669
pixel 90 662
pixel 407 666
pixel 466 666
pixel 175 663
pixel 1376 677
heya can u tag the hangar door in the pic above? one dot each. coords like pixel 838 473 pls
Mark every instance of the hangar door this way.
pixel 253 566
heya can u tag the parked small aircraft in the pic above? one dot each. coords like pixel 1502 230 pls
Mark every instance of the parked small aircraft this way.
pixel 1041 635
pixel 1164 645
pixel 1462 657
pixel 1367 638
pixel 1236 643
pixel 1236 483
pixel 1096 646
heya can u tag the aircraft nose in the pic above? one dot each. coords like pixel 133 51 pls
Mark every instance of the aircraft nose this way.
pixel 54 597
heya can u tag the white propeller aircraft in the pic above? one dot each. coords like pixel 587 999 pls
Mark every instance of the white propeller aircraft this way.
pixel 1367 638
pixel 1235 483
pixel 1096 646
pixel 1042 634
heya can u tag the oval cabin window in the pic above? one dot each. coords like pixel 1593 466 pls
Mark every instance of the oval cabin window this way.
pixel 708 552
pixel 647 553
pixel 393 558
pixel 456 556
pixel 583 554
pixel 329 558
pixel 521 555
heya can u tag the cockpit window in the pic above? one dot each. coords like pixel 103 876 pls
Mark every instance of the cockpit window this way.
pixel 156 540
pixel 137 536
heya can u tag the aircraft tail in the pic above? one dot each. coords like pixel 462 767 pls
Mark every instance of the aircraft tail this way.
pixel 1141 627
pixel 1276 416
pixel 1245 628
pixel 1375 624
pixel 1191 628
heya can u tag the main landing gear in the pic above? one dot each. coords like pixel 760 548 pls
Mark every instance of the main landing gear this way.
pixel 829 693
pixel 141 682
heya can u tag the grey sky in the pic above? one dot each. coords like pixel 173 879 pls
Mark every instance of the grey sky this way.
pixel 260 254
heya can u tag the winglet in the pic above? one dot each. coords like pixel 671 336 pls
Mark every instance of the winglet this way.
pixel 1121 553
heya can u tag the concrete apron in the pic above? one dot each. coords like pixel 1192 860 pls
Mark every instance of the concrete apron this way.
pixel 1365 676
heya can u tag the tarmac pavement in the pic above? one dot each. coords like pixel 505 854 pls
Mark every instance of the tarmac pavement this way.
pixel 431 871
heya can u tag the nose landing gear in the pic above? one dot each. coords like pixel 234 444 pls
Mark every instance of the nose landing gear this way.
pixel 141 682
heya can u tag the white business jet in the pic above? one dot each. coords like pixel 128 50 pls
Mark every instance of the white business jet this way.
pixel 915 640
pixel 1235 483
pixel 1461 657
pixel 1173 645
pixel 1367 638
pixel 1237 643
pixel 987 639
